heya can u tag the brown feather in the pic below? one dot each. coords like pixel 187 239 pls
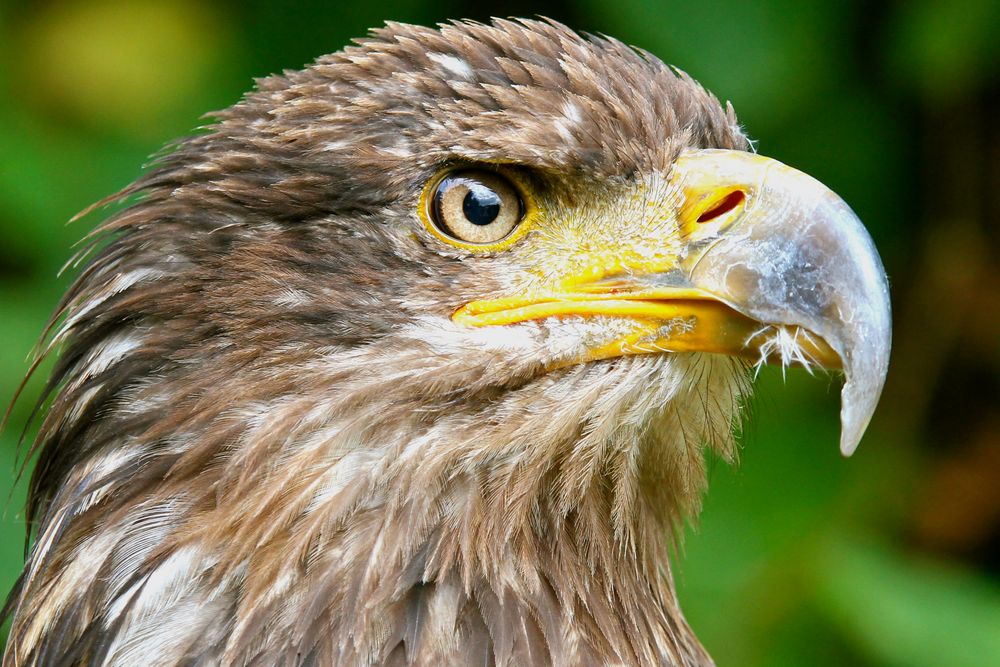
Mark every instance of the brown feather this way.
pixel 267 445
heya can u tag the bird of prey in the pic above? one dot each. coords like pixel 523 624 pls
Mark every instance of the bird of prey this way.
pixel 414 356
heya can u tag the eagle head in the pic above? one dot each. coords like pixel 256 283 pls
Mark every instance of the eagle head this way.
pixel 413 357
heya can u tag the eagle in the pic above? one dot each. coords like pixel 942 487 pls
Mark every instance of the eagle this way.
pixel 414 357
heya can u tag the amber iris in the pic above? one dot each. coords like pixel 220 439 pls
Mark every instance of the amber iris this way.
pixel 476 206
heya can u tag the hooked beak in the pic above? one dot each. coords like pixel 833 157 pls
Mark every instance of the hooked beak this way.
pixel 775 267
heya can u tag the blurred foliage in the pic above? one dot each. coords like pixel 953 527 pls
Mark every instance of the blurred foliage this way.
pixel 800 557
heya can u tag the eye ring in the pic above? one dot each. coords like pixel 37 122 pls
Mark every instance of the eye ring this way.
pixel 478 209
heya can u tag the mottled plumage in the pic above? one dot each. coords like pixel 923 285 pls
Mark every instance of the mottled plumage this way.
pixel 270 444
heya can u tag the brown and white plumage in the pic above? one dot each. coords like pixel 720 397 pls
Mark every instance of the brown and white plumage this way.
pixel 270 442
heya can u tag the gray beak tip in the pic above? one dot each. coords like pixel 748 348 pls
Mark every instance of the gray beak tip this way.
pixel 798 256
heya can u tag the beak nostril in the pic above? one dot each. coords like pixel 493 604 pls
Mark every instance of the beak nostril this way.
pixel 723 206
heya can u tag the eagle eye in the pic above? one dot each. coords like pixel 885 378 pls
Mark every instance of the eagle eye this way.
pixel 474 208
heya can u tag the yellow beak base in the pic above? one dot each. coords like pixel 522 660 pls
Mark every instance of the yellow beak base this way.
pixel 669 321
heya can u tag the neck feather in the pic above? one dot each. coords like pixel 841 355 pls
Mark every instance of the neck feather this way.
pixel 365 516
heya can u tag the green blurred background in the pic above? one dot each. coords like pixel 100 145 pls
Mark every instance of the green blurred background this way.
pixel 800 557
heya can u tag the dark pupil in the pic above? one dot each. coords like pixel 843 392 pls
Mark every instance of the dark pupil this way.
pixel 481 205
